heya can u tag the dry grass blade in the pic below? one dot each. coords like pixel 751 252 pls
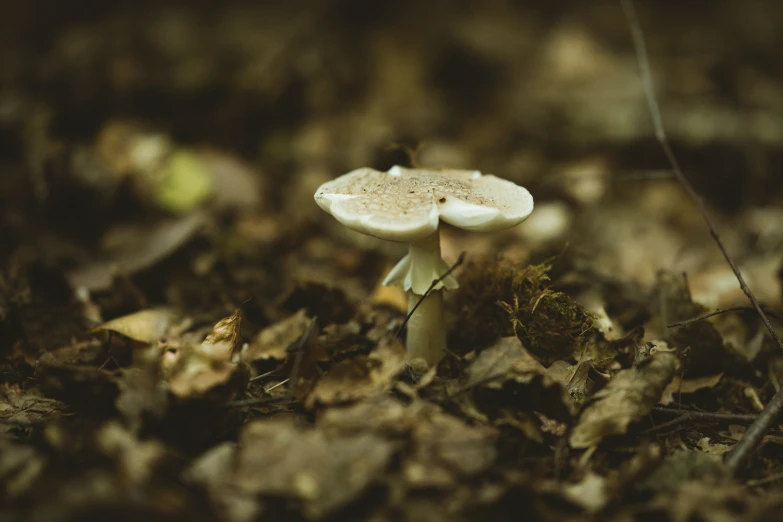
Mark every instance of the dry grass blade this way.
pixel 742 452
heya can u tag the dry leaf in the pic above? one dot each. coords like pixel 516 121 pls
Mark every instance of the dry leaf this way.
pixel 505 359
pixel 197 373
pixel 678 386
pixel 214 470
pixel 137 458
pixel 273 341
pixel 280 458
pixel 146 326
pixel 361 376
pixel 20 466
pixel 447 449
pixel 223 341
pixel 24 408
pixel 140 250
pixel 382 414
pixel 591 493
pixel 628 397
pixel 197 369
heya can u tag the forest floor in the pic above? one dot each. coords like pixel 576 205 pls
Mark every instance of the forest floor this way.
pixel 186 335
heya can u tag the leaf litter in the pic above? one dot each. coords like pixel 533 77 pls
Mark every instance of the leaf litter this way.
pixel 249 366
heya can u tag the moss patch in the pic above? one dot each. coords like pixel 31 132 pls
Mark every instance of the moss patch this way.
pixel 499 297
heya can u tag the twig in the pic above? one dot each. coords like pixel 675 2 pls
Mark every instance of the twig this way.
pixel 267 374
pixel 765 480
pixel 750 440
pixel 684 416
pixel 257 402
pixel 447 273
pixel 705 316
pixel 721 311
pixel 705 415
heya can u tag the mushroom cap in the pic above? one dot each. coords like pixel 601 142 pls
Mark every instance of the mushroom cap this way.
pixel 407 204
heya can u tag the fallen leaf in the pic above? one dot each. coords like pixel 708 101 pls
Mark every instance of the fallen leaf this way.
pixel 505 359
pixel 223 341
pixel 214 470
pixel 447 449
pixel 361 376
pixel 24 408
pixel 20 466
pixel 142 394
pixel 280 458
pixel 146 326
pixel 382 414
pixel 196 369
pixel 141 249
pixel 714 448
pixel 628 397
pixel 137 458
pixel 273 341
pixel 680 467
pixel 678 386
pixel 590 493
pixel 198 373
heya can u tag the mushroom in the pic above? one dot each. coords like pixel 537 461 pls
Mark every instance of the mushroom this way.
pixel 406 205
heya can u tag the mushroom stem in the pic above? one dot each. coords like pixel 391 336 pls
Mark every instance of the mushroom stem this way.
pixel 426 337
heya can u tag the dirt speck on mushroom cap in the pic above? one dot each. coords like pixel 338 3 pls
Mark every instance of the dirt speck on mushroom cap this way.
pixel 407 204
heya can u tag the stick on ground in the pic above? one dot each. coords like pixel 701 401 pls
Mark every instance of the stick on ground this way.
pixel 742 452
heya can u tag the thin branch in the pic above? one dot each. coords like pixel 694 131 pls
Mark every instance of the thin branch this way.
pixel 460 260
pixel 706 415
pixel 267 390
pixel 257 402
pixel 705 316
pixel 752 437
pixel 686 416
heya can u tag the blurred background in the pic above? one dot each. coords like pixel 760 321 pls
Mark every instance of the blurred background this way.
pixel 129 113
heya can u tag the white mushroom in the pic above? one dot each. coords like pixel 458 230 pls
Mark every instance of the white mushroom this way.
pixel 407 205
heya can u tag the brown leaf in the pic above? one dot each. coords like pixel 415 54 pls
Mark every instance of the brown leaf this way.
pixel 223 341
pixel 447 449
pixel 142 393
pixel 628 397
pixel 382 414
pixel 273 341
pixel 20 466
pixel 505 359
pixel 678 386
pixel 141 248
pixel 146 326
pixel 590 493
pixel 574 379
pixel 197 369
pixel 76 369
pixel 198 373
pixel 24 408
pixel 214 470
pixel 136 458
pixel 280 458
pixel 361 376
